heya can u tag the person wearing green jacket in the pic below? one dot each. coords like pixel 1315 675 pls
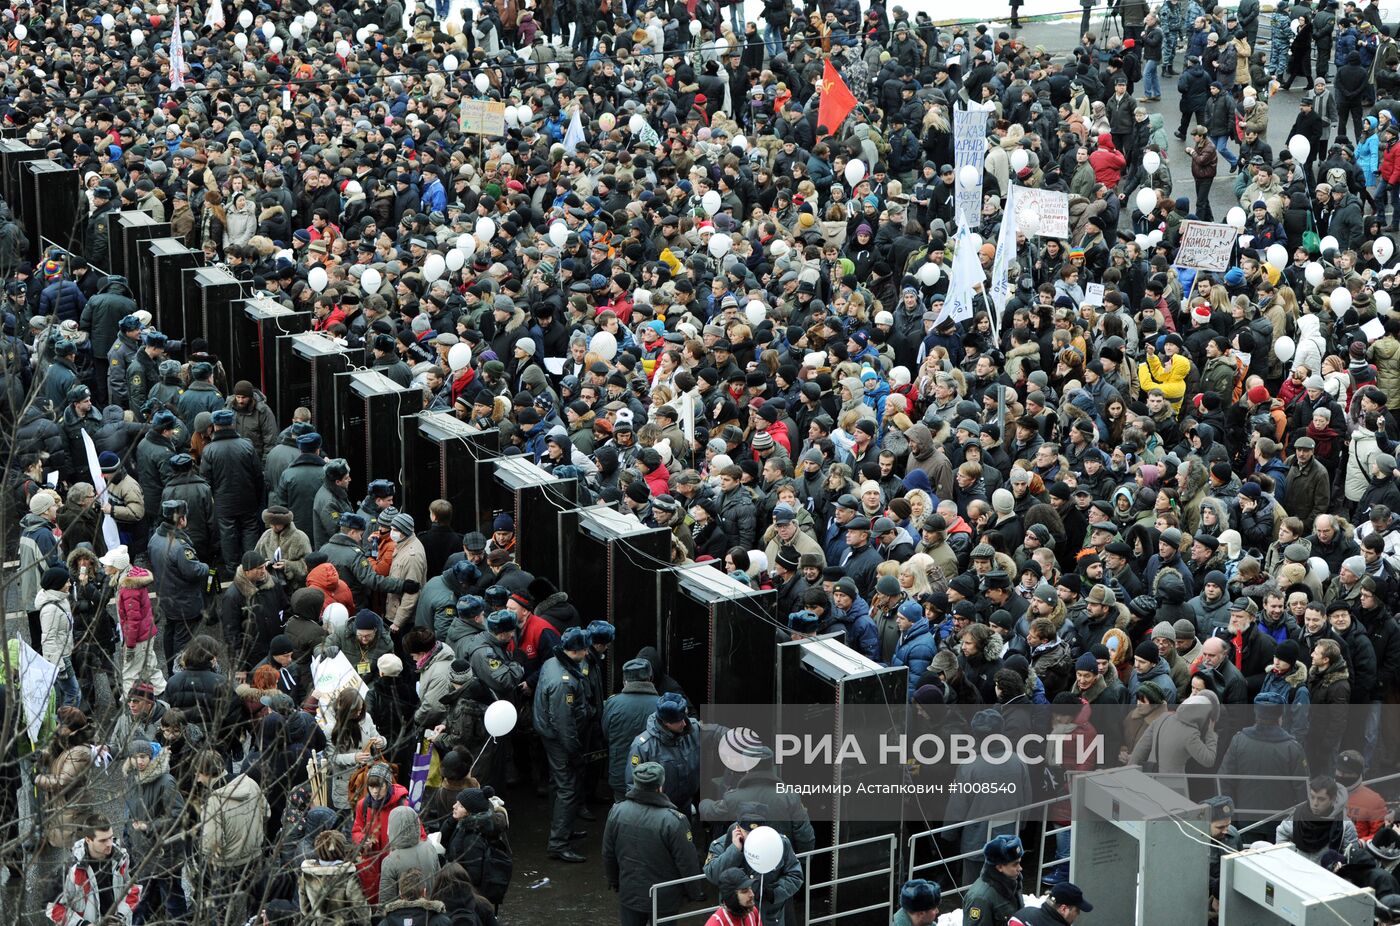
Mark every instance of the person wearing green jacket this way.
pixel 996 894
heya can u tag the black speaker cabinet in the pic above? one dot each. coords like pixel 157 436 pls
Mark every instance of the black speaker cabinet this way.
pixel 129 229
pixel 612 563
pixel 49 197
pixel 535 496
pixel 823 679
pixel 13 153
pixel 316 360
pixel 454 461
pixel 210 293
pixel 716 639
pixel 257 322
pixel 371 427
pixel 158 263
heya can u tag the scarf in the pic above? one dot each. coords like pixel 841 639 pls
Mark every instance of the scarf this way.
pixel 426 657
pixel 1238 643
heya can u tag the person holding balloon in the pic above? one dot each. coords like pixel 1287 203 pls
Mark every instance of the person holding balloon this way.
pixel 757 850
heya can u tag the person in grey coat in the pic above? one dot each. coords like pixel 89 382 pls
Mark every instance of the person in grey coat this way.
pixel 154 806
pixel 298 485
pixel 779 885
pixel 647 841
pixel 332 502
pixel 965 805
pixel 624 716
pixel 190 487
pixel 152 460
pixel 281 454
pixel 408 848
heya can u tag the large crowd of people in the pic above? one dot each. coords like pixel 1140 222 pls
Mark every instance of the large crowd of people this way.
pixel 657 271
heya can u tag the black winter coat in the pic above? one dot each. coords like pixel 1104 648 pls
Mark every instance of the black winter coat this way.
pixel 235 474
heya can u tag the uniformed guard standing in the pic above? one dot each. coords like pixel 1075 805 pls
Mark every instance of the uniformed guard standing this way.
pixel 119 357
pixel 996 895
pixel 181 579
pixel 561 713
pixel 648 841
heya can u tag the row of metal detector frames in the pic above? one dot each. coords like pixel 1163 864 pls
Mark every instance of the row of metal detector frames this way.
pixel 716 636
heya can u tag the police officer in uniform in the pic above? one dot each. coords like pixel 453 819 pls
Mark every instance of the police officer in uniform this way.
pixel 495 675
pixel 648 841
pixel 143 372
pixel 14 367
pixel 671 739
pixel 332 503
pixel 119 357
pixel 996 894
pixel 345 552
pixel 561 716
pixel 79 415
pixel 181 580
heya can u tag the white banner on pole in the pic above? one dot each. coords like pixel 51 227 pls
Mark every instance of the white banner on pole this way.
pixel 110 535
pixel 329 677
pixel 36 680
pixel 963 281
pixel 1041 213
pixel 969 148
pixel 1006 251
pixel 1206 246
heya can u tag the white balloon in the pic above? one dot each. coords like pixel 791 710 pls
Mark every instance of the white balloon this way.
pixel 362 34
pixel 108 21
pixel 449 64
pixel 604 344
pixel 607 122
pixel 1235 217
pixel 240 41
pixel 1142 242
pixel 755 311
pixel 295 29
pixel 335 615
pixel 370 282
pixel 458 356
pixel 482 83
pixel 268 31
pixel 1341 300
pixel 558 234
pixel 317 279
pixel 310 19
pixel 1299 147
pixel 1383 303
pixel 855 171
pixel 1277 256
pixel 434 267
pixel 1154 237
pixel 500 718
pixel 1328 243
pixel 1151 160
pixel 245 18
pixel 720 245
pixel 342 48
pixel 1313 273
pixel 1383 248
pixel 974 241
pixel 1146 200
pixel 276 44
pixel 968 177
pixel 710 202
pixel 1020 160
pixel 928 274
pixel 1284 348
pixel 137 37
pixel 763 849
pixel 739 141
pixel 455 260
pixel 636 123
pixel 695 27
pixel 21 32
pixel 1246 240
pixel 512 116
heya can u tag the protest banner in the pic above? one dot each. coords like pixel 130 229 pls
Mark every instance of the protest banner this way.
pixel 483 117
pixel 329 677
pixel 969 149
pixel 1041 213
pixel 1206 246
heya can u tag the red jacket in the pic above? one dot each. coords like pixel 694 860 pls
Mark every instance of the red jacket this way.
pixel 1390 164
pixel 1367 810
pixel 134 607
pixel 722 917
pixel 659 480
pixel 371 831
pixel 1108 162
pixel 329 581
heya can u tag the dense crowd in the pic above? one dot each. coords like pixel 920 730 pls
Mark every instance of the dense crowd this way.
pixel 1139 485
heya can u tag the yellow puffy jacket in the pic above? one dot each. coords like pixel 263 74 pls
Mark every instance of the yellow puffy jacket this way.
pixel 1169 377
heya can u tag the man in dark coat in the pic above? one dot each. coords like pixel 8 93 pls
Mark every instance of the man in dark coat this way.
pixel 299 483
pixel 996 894
pixel 152 461
pixel 190 487
pixel 234 471
pixel 180 579
pixel 252 610
pixel 647 841
pixel 624 716
pixel 103 311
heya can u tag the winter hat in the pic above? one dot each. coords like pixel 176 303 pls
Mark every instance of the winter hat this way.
pixel 1288 651
pixel 1003 850
pixel 366 619
pixel 1086 663
pixel 461 671
pixel 403 523
pixel 1185 630
pixel 1003 502
pixel 670 708
pixel 141 747
pixel 1164 631
pixel 54 578
pixel 116 558
pixel 1147 652
pixel 390 666
pixel 649 776
pixel 919 896
pixel 380 771
pixel 281 645
pixel 41 503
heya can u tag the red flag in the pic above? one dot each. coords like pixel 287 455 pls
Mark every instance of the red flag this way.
pixel 836 101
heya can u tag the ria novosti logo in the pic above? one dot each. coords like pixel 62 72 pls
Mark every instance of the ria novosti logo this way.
pixel 741 749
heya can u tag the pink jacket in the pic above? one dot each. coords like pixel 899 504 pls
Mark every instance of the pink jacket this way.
pixel 134 607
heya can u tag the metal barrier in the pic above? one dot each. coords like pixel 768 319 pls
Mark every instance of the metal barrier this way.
pixel 805 859
pixel 1040 811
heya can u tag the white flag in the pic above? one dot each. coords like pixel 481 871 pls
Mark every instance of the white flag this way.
pixel 215 17
pixel 574 136
pixel 110 536
pixel 1006 252
pixel 177 53
pixel 965 276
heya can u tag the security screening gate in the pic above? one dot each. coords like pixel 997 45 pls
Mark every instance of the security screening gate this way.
pixel 1276 886
pixel 876 879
